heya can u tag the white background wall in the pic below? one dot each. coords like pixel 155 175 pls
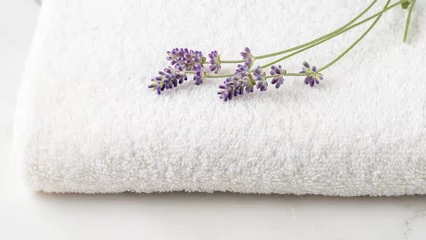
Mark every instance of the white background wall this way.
pixel 28 215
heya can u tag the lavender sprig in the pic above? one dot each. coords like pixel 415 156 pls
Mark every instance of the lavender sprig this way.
pixel 168 78
pixel 243 80
pixel 313 76
pixel 242 73
pixel 184 61
pixel 278 75
pixel 248 57
pixel 190 59
pixel 200 75
pixel 262 84
pixel 215 64
pixel 227 89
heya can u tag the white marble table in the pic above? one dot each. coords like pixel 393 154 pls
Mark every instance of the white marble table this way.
pixel 28 215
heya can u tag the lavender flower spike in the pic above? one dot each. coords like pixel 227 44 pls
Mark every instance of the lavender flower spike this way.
pixel 200 75
pixel 227 89
pixel 168 78
pixel 260 76
pixel 214 62
pixel 236 85
pixel 278 74
pixel 244 79
pixel 248 57
pixel 185 57
pixel 312 75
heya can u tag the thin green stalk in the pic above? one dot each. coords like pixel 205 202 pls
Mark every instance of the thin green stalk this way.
pixel 220 76
pixel 290 74
pixel 335 35
pixel 232 61
pixel 295 74
pixel 355 43
pixel 407 23
pixel 308 43
pixel 230 75
pixel 320 38
pixel 319 42
pixel 212 76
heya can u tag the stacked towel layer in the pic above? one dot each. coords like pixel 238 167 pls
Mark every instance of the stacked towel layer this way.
pixel 86 121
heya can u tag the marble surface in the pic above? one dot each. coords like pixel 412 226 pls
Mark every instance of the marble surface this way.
pixel 25 214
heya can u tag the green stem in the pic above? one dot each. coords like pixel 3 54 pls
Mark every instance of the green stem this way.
pixel 335 35
pixel 355 43
pixel 219 76
pixel 291 74
pixel 295 74
pixel 378 15
pixel 407 23
pixel 212 76
pixel 308 43
pixel 232 61
pixel 325 37
pixel 320 38
pixel 230 75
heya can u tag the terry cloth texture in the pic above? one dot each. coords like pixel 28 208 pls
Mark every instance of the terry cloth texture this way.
pixel 86 121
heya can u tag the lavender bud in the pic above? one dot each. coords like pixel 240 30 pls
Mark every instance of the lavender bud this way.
pixel 169 78
pixel 260 76
pixel 200 74
pixel 313 76
pixel 278 74
pixel 188 59
pixel 248 57
pixel 214 62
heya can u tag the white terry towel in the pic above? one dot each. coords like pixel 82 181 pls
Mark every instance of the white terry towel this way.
pixel 86 121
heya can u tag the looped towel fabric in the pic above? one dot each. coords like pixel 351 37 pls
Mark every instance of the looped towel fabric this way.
pixel 86 121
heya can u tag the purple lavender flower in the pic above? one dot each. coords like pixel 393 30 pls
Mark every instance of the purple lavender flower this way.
pixel 312 75
pixel 227 89
pixel 187 58
pixel 200 74
pixel 168 78
pixel 247 53
pixel 278 74
pixel 214 62
pixel 260 77
pixel 241 71
pixel 249 84
pixel 244 79
pixel 236 85
pixel 248 57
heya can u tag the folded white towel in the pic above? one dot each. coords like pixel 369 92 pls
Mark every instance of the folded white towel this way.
pixel 86 121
